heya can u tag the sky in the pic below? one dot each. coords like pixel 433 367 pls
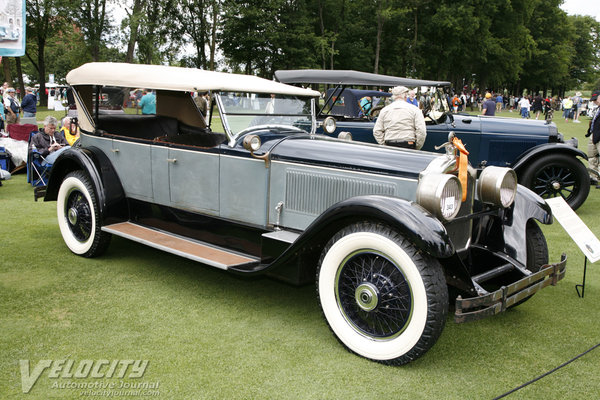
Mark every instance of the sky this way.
pixel 582 7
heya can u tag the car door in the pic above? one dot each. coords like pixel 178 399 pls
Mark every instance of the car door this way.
pixel 244 183
pixel 193 178
pixel 134 162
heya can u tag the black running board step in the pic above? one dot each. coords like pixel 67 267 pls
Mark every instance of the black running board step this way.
pixel 196 250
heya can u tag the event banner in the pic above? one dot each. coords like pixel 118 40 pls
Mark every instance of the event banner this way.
pixel 12 28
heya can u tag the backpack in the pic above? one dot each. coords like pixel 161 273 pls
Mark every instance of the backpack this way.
pixel 13 106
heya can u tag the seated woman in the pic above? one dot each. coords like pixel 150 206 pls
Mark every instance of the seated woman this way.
pixel 48 142
pixel 70 130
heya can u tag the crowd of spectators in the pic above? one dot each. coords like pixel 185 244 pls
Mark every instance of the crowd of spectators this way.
pixel 528 106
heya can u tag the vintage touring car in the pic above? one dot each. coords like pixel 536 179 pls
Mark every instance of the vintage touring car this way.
pixel 544 161
pixel 385 232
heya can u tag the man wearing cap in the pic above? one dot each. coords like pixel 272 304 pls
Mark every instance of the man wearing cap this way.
pixel 489 106
pixel 400 124
pixel 29 103
pixel 594 143
pixel 11 107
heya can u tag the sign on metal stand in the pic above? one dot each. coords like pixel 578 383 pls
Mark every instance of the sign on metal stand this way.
pixel 583 237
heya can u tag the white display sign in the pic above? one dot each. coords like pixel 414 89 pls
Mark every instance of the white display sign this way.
pixel 576 228
pixel 12 28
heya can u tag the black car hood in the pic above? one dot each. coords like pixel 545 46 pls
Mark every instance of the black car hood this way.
pixel 325 151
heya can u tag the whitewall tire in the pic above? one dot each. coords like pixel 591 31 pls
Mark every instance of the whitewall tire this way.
pixel 381 298
pixel 78 216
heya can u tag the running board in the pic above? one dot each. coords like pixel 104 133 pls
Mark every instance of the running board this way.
pixel 189 248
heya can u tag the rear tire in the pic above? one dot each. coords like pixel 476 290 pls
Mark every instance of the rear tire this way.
pixel 554 175
pixel 382 298
pixel 79 216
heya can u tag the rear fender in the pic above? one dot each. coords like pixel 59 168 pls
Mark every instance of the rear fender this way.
pixel 107 186
pixel 549 148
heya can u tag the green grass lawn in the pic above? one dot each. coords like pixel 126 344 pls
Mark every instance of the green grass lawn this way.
pixel 211 335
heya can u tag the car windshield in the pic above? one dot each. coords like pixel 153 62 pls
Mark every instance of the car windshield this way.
pixel 243 111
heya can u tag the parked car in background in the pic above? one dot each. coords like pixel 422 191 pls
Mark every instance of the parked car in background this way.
pixel 387 234
pixel 543 160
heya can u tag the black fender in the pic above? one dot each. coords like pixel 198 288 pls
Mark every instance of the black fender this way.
pixel 527 206
pixel 547 148
pixel 95 163
pixel 412 221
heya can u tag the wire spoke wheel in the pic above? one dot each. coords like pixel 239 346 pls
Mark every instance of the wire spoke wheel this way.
pixel 374 295
pixel 553 175
pixel 79 216
pixel 381 297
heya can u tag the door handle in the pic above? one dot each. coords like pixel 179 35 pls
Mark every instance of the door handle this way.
pixel 467 121
pixel 115 150
pixel 172 160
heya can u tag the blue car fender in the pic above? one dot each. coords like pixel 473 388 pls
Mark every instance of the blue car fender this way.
pixel 543 149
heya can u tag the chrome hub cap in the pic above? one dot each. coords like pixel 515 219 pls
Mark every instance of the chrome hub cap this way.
pixel 556 185
pixel 72 216
pixel 367 296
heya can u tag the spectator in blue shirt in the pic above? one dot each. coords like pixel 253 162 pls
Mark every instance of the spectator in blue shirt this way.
pixel 499 103
pixel 148 102
pixel 29 103
pixel 412 99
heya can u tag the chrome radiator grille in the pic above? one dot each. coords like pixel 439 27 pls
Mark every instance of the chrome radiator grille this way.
pixel 313 193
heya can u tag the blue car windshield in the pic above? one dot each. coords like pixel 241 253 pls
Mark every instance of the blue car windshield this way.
pixel 243 111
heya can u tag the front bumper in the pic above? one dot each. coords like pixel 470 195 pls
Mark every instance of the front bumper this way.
pixel 474 308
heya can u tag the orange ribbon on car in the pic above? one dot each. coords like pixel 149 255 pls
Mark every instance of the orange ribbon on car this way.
pixel 463 165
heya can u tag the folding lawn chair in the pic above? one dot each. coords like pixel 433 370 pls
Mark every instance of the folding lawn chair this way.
pixel 38 171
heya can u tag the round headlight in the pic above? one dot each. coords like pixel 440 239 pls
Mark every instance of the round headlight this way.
pixel 497 186
pixel 329 125
pixel 440 194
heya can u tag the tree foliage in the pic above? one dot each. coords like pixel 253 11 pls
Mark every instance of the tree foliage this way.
pixel 495 44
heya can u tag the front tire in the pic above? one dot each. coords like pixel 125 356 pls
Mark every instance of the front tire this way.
pixel 79 217
pixel 554 175
pixel 382 298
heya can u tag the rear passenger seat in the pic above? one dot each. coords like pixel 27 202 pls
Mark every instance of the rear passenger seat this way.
pixel 138 126
pixel 161 128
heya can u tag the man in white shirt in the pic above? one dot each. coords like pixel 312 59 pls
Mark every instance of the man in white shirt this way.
pixel 12 107
pixel 400 124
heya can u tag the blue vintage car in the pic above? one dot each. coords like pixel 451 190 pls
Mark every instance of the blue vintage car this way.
pixel 542 159
pixel 387 235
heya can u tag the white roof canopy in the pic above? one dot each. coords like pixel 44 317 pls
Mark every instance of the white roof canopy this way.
pixel 176 78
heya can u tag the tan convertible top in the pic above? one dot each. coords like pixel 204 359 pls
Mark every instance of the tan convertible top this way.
pixel 177 79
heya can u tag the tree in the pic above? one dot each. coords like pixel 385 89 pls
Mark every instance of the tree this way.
pixel 548 65
pixel 91 17
pixel 41 20
pixel 585 65
pixel 134 16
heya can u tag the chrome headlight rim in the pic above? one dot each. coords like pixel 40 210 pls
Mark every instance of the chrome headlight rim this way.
pixel 497 186
pixel 441 195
